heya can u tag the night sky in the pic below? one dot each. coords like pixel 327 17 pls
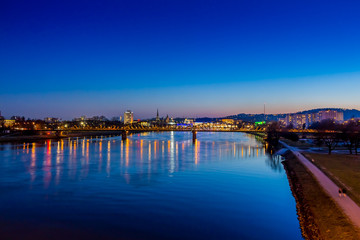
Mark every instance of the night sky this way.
pixel 186 58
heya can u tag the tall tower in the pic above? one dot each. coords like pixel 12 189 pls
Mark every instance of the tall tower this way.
pixel 157 116
pixel 265 113
pixel 264 109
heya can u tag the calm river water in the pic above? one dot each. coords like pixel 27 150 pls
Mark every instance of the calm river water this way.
pixel 152 186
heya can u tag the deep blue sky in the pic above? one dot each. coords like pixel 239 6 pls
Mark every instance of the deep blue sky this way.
pixel 187 58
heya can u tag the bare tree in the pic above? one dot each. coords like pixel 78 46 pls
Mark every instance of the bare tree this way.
pixel 357 142
pixel 273 135
pixel 348 135
pixel 329 134
pixel 331 140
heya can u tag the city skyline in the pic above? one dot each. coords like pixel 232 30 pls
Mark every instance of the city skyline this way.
pixel 351 114
pixel 204 59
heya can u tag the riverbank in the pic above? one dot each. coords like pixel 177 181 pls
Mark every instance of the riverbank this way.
pixel 343 169
pixel 31 138
pixel 319 216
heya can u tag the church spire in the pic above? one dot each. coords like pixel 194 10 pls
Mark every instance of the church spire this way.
pixel 157 115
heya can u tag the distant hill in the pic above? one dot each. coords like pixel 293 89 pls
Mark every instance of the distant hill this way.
pixel 348 114
pixel 206 119
pixel 256 117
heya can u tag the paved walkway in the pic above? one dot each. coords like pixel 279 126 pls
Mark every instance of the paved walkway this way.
pixel 351 209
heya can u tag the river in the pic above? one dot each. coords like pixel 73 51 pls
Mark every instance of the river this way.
pixel 151 186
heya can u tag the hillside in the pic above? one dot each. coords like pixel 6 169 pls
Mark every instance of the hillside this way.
pixel 348 114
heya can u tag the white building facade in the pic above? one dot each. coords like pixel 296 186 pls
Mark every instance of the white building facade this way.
pixel 128 117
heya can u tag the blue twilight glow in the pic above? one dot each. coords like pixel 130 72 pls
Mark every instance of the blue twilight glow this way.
pixel 187 58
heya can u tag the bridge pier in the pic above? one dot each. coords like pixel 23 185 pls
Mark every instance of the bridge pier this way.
pixel 194 135
pixel 124 135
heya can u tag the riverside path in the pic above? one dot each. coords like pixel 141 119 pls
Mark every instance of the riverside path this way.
pixel 350 208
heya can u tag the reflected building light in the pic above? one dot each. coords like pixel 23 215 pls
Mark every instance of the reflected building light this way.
pixel 83 147
pixel 108 158
pixel 242 151
pixel 149 153
pixel 234 150
pixel 163 149
pixel 58 148
pixel 58 154
pixel 57 166
pixel 172 149
pixel 100 148
pixel 87 152
pixel 257 152
pixel 141 149
pixel 177 149
pixel 100 155
pixel 47 165
pixel 155 149
pixel 48 147
pixel 122 152
pixel 33 162
pixel 196 151
pixel 75 147
pixel 127 147
pixel 172 157
pixel 70 148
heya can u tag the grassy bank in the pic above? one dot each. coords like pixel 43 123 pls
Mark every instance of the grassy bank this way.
pixel 299 144
pixel 343 169
pixel 319 216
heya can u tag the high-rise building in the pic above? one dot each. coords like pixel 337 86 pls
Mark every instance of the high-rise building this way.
pixel 128 117
pixel 299 120
pixel 331 114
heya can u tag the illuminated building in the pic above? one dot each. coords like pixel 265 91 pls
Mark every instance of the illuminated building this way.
pixel 51 120
pixel 228 121
pixel 189 121
pixel 128 117
pixel 9 123
pixel 331 114
pixel 144 123
pixel 299 120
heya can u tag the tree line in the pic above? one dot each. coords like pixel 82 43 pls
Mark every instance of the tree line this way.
pixel 328 133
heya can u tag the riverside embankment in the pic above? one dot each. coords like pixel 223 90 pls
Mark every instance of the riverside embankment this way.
pixel 319 216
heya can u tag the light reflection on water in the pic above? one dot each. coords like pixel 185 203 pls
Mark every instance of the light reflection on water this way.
pixel 151 186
